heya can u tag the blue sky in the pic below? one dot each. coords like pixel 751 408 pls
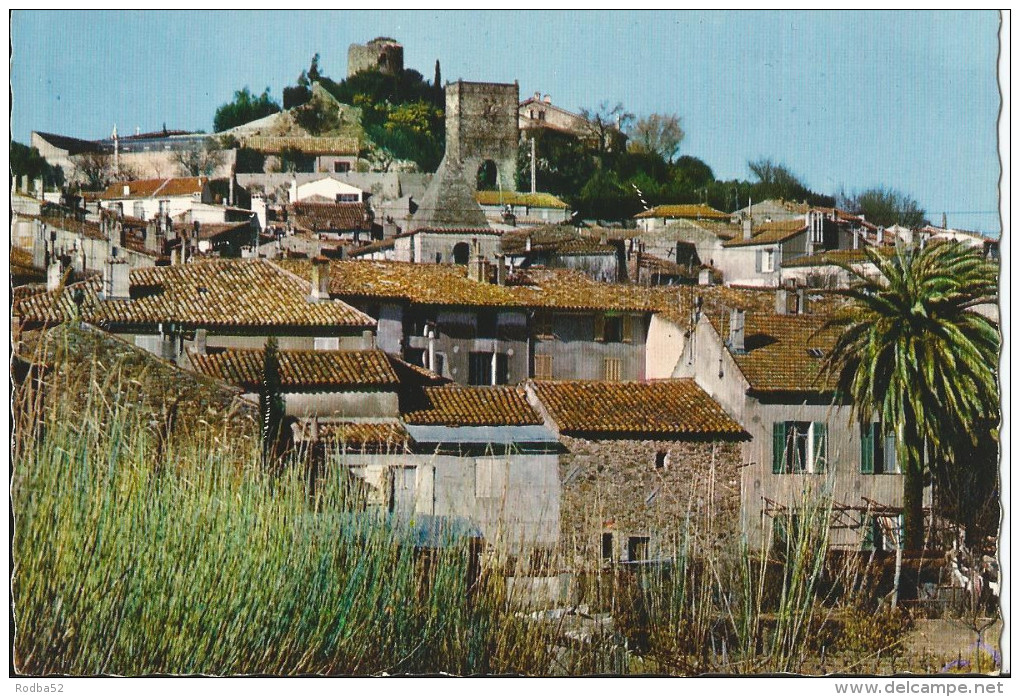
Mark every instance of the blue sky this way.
pixel 846 100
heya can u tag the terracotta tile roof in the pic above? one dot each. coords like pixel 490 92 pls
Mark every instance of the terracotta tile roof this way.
pixel 385 437
pixel 85 228
pixel 660 408
pixel 147 188
pixel 573 290
pixel 428 284
pixel 208 231
pixel 685 210
pixel 215 293
pixel 304 371
pixel 513 198
pixel 836 256
pixel 562 239
pixel 463 231
pixel 379 246
pixel 783 352
pixel 323 217
pixel 770 233
pixel 456 405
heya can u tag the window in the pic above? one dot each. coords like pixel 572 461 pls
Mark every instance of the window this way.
pixel 607 546
pixel 480 368
pixel 490 478
pixel 799 447
pixel 611 369
pixel 341 167
pixel 661 460
pixel 768 261
pixel 637 548
pixel 878 450
pixel 326 343
pixel 402 490
pixel 543 367
pixel 543 325
pixel 346 198
pixel 613 328
pixel 139 209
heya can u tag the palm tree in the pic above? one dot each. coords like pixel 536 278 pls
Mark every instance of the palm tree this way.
pixel 914 351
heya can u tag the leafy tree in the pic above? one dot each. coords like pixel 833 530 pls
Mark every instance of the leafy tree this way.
pixel 884 206
pixel 246 107
pixel 605 129
pixel 657 133
pixel 94 171
pixel 26 161
pixel 271 404
pixel 913 351
pixel 199 160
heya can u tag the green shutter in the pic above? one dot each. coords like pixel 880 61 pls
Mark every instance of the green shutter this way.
pixel 821 462
pixel 867 448
pixel 868 523
pixel 778 447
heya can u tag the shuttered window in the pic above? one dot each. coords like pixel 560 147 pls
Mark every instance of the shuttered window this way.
pixel 820 447
pixel 778 447
pixel 611 369
pixel 600 328
pixel 627 329
pixel 868 448
pixel 543 367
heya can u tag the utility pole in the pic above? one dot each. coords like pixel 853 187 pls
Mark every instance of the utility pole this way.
pixel 533 189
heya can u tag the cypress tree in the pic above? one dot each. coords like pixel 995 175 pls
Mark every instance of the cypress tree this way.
pixel 271 407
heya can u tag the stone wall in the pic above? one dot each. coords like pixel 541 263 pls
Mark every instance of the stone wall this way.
pixel 481 124
pixel 645 489
pixel 385 56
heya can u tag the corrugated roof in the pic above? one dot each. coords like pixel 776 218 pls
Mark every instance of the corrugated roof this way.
pixel 300 370
pixel 457 405
pixel 661 408
pixel 214 293
pixel 684 210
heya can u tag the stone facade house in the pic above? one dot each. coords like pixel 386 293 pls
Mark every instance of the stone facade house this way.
pixel 763 367
pixel 564 247
pixel 649 467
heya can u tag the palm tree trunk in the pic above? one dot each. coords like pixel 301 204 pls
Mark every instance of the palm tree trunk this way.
pixel 913 506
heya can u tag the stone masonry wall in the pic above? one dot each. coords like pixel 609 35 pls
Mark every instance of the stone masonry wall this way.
pixel 615 486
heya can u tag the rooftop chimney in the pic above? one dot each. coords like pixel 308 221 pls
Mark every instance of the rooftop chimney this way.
pixel 368 339
pixel 746 223
pixel 801 301
pixel 320 279
pixel 500 270
pixel 54 274
pixel 736 342
pixel 127 189
pixel 201 341
pixel 781 301
pixel 116 279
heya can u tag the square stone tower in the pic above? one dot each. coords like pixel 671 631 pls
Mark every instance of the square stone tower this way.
pixel 481 124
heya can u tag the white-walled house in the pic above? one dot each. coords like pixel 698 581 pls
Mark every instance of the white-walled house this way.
pixel 326 188
pixel 146 198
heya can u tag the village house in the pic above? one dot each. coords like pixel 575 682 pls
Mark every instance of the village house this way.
pixel 539 112
pixel 661 216
pixel 763 367
pixel 649 468
pixel 326 189
pixel 563 247
pixel 446 245
pixel 215 303
pixel 521 209
pixel 149 198
pixel 476 454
